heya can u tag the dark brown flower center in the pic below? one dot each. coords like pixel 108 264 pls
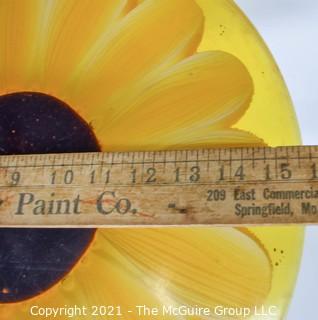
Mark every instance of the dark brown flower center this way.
pixel 32 260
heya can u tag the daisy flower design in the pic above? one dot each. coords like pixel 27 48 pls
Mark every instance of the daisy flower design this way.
pixel 114 75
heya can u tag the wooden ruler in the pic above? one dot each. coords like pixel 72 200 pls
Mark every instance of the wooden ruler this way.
pixel 227 186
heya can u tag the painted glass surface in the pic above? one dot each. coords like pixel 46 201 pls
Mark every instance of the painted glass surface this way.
pixel 144 75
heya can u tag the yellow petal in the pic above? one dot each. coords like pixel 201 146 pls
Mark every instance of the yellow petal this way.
pixel 16 29
pixel 208 138
pixel 151 37
pixel 102 277
pixel 41 43
pixel 129 267
pixel 204 266
pixel 211 89
pixel 191 139
pixel 67 46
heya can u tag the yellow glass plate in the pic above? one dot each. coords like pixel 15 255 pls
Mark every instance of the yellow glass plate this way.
pixel 159 74
pixel 270 116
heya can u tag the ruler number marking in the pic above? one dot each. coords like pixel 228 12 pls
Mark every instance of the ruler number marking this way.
pixel 15 178
pixel 92 175
pixel 221 171
pixel 239 173
pixel 133 175
pixel 107 176
pixel 314 171
pixel 68 177
pixel 285 171
pixel 177 172
pixel 195 176
pixel 151 175
pixel 267 172
pixel 53 177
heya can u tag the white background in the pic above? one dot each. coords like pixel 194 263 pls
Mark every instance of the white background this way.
pixel 290 29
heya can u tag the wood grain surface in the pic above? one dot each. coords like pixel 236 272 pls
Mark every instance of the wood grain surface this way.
pixel 226 186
